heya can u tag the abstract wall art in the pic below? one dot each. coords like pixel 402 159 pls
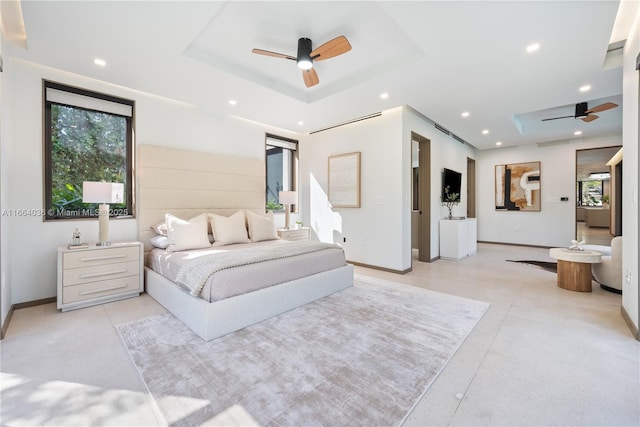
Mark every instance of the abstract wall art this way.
pixel 518 187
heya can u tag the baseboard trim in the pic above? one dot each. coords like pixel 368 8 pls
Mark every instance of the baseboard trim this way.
pixel 20 305
pixel 5 325
pixel 515 244
pixel 375 267
pixel 629 322
pixel 34 303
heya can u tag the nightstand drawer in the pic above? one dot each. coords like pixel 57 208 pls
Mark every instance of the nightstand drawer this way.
pixel 100 289
pixel 97 273
pixel 100 257
pixel 294 234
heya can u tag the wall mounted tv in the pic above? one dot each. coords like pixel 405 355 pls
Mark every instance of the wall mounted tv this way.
pixel 452 180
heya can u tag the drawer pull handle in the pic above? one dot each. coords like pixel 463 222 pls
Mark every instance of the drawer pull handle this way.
pixel 103 273
pixel 95 291
pixel 102 258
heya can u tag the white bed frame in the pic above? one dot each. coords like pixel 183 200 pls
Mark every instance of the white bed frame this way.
pixel 215 319
pixel 170 179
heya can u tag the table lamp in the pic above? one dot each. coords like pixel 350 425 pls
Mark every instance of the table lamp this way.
pixel 287 198
pixel 103 193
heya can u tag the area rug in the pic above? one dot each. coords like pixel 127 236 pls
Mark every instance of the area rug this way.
pixel 361 357
pixel 545 265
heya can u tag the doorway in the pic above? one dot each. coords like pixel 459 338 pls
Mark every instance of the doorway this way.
pixel 471 188
pixel 421 194
pixel 598 196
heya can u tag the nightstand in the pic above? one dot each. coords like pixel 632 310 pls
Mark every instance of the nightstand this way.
pixel 99 274
pixel 294 233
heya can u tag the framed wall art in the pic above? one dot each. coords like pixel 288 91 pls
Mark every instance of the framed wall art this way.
pixel 344 180
pixel 517 187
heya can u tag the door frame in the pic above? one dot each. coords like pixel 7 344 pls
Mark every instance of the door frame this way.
pixel 424 196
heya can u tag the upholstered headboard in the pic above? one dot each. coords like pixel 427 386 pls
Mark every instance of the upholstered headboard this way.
pixel 186 183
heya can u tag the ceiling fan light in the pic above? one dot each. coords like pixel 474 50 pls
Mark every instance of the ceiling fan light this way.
pixel 305 64
pixel 581 110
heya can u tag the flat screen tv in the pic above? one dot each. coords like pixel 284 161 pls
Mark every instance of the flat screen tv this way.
pixel 451 180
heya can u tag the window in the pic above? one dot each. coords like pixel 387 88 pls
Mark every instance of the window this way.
pixel 281 161
pixel 88 136
pixel 590 193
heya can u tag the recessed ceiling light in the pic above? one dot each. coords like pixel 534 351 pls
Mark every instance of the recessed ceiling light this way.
pixel 585 88
pixel 485 132
pixel 499 143
pixel 465 114
pixel 578 132
pixel 233 102
pixel 300 123
pixel 384 95
pixel 533 47
pixel 100 62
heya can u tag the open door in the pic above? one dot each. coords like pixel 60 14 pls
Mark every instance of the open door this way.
pixel 421 179
pixel 471 188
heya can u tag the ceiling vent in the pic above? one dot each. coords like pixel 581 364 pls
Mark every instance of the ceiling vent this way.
pixel 457 138
pixel 359 119
pixel 442 129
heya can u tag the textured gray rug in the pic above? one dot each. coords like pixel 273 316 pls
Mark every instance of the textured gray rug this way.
pixel 363 356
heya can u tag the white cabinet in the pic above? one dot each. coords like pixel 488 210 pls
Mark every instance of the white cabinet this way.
pixel 294 233
pixel 458 238
pixel 99 274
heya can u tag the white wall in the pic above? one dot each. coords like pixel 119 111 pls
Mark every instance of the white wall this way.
pixel 5 288
pixel 630 176
pixel 446 152
pixel 31 242
pixel 379 232
pixel 554 225
pixel 373 232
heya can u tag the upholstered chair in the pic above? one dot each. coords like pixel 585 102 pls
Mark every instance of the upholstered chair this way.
pixel 609 272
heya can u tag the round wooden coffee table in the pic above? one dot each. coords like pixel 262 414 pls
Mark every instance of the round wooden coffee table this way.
pixel 574 268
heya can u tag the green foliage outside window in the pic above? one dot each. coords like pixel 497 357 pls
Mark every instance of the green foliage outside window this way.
pixel 86 146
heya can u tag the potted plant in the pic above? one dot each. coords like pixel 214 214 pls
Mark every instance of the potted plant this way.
pixel 450 200
pixel 298 225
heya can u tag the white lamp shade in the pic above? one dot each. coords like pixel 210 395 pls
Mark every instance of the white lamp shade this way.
pixel 288 197
pixel 102 192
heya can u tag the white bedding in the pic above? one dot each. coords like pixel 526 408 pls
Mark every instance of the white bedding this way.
pixel 234 281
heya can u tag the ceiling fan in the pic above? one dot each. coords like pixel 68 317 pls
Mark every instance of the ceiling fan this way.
pixel 306 56
pixel 585 113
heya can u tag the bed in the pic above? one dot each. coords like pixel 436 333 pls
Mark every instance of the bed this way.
pixel 169 180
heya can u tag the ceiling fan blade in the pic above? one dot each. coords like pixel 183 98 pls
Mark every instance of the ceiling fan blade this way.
pixel 556 118
pixel 602 107
pixel 274 54
pixel 332 48
pixel 589 118
pixel 310 77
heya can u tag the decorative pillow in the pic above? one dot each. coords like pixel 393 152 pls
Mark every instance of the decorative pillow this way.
pixel 229 229
pixel 185 235
pixel 160 241
pixel 261 227
pixel 160 228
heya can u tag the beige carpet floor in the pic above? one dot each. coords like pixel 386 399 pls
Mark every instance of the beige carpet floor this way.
pixel 361 357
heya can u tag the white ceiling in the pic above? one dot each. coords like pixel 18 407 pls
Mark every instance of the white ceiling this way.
pixel 440 58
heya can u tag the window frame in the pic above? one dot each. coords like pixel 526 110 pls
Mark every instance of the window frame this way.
pixel 51 214
pixel 294 166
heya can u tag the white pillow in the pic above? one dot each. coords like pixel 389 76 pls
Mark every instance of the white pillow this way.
pixel 229 229
pixel 160 241
pixel 185 235
pixel 261 227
